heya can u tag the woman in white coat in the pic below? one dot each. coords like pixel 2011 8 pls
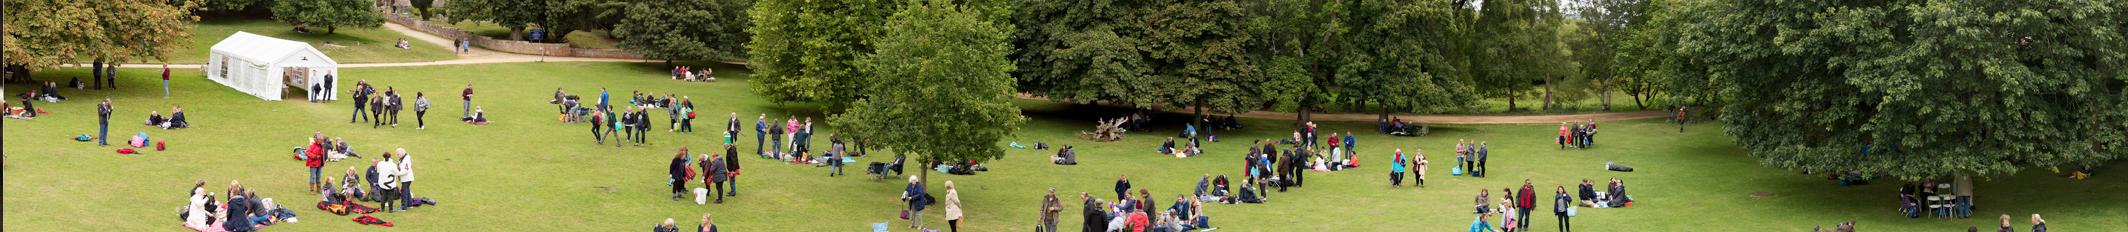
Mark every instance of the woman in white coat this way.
pixel 953 207
pixel 406 179
pixel 199 213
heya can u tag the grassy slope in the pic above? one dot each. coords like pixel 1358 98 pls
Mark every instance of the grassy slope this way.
pixel 594 39
pixel 363 45
pixel 526 172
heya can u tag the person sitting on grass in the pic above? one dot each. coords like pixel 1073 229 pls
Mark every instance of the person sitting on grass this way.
pixel 1480 225
pixel 1169 147
pixel 1065 156
pixel 155 119
pixel 177 119
pixel 1248 194
pixel 479 117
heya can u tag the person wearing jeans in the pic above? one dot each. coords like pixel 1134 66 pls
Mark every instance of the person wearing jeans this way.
pixel 468 100
pixel 1559 205
pixel 760 131
pixel 166 80
pixel 406 179
pixel 103 122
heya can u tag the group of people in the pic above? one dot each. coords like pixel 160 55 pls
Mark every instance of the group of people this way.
pixel 389 179
pixel 706 226
pixel 176 119
pixel 1141 212
pixel 371 104
pixel 1515 207
pixel 917 199
pixel 1471 155
pixel 716 170
pixel 684 73
pixel 243 211
pixel 1577 135
pixel 2038 225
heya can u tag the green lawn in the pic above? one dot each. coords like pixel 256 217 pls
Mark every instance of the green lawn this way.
pixel 527 172
pixel 361 45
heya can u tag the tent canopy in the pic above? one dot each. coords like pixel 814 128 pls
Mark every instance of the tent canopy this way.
pixel 263 66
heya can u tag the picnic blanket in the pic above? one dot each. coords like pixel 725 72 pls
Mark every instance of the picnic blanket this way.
pixel 368 220
pixel 217 226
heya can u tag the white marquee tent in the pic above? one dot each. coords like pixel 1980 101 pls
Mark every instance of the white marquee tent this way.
pixel 265 66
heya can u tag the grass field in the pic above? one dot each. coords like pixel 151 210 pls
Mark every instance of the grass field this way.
pixel 527 172
pixel 361 45
pixel 594 39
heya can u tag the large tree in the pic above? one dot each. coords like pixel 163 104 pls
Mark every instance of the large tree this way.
pixel 686 30
pixel 802 50
pixel 1516 46
pixel 943 89
pixel 1917 89
pixel 1081 51
pixel 1198 51
pixel 331 14
pixel 1602 27
pixel 1641 49
pixel 1393 56
pixel 513 14
pixel 48 33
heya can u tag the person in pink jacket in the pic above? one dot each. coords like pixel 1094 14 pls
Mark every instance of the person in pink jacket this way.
pixel 1562 135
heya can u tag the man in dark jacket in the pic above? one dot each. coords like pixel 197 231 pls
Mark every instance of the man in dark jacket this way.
pixel 103 122
pixel 1526 199
pixel 1300 167
pixel 376 110
pixel 760 130
pixel 1480 170
pixel 775 138
pixel 1050 207
pixel 731 165
pixel 1588 190
pixel 1123 186
pixel 393 103
pixel 1096 219
pixel 361 99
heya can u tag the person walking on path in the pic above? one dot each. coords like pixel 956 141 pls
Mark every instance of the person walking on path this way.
pixel 1050 207
pixel 953 208
pixel 1525 200
pixel 166 80
pixel 103 122
pixel 468 100
pixel 421 107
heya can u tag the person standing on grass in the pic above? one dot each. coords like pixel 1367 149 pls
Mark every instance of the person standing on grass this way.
pixel 376 109
pixel 760 130
pixel 1123 187
pixel 326 87
pixel 95 74
pixel 1463 158
pixel 627 122
pixel 406 179
pixel 642 129
pixel 1419 176
pixel 1482 157
pixel 1559 205
pixel 395 105
pixel 314 158
pixel 686 111
pixel 953 208
pixel 468 96
pixel 678 172
pixel 707 225
pixel 1050 207
pixel 1525 200
pixel 166 80
pixel 731 168
pixel 775 136
pixel 914 194
pixel 731 130
pixel 2038 225
pixel 718 173
pixel 602 99
pixel 598 119
pixel 387 181
pixel 103 122
pixel 1563 132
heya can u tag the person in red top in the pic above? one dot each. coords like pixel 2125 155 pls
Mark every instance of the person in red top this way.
pixel 1562 136
pixel 1137 221
pixel 314 157
pixel 166 80
pixel 1525 199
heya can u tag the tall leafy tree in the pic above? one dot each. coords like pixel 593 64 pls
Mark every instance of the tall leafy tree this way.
pixel 1392 56
pixel 233 5
pixel 1641 49
pixel 802 50
pixel 1602 27
pixel 330 14
pixel 1081 51
pixel 513 14
pixel 1516 46
pixel 43 34
pixel 943 86
pixel 1917 89
pixel 686 30
pixel 1198 51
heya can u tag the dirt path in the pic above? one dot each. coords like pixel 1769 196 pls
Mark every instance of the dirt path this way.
pixel 476 56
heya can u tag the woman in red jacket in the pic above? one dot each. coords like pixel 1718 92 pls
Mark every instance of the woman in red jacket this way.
pixel 314 157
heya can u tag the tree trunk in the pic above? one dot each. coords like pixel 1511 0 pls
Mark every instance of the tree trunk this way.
pixel 517 33
pixel 1607 94
pixel 1198 115
pixel 1510 103
pixel 330 29
pixel 1547 92
pixel 1303 119
pixel 1636 101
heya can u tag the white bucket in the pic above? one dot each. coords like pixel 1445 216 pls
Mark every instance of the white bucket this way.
pixel 701 196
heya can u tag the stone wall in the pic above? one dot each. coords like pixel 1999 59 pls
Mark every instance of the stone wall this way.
pixel 510 46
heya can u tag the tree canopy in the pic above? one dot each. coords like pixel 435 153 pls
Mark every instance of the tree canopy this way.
pixel 1516 46
pixel 49 33
pixel 802 50
pixel 686 30
pixel 1916 89
pixel 513 14
pixel 942 86
pixel 330 14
